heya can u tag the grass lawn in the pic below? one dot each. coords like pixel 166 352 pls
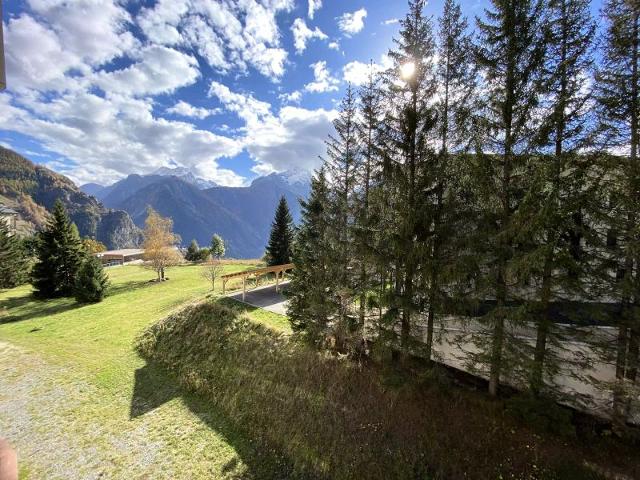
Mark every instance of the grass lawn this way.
pixel 78 402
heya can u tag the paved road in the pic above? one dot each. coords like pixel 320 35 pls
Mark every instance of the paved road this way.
pixel 265 297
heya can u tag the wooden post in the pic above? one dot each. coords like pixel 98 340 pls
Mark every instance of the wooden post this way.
pixel 244 287
pixel 277 277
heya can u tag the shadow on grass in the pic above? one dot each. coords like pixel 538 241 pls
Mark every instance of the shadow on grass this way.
pixel 153 387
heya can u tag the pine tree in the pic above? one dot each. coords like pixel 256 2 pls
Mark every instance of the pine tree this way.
pixel 367 128
pixel 618 95
pixel 13 259
pixel 217 246
pixel 310 301
pixel 455 75
pixel 92 281
pixel 193 252
pixel 343 150
pixel 408 160
pixel 552 214
pixel 59 256
pixel 281 237
pixel 509 54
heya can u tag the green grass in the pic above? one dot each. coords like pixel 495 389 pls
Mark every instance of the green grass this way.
pixel 92 345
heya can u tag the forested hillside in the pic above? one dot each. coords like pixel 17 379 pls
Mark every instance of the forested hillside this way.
pixel 33 189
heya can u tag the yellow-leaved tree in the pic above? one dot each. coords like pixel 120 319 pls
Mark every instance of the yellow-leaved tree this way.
pixel 160 243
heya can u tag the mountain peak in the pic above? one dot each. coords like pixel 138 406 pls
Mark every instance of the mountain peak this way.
pixel 186 175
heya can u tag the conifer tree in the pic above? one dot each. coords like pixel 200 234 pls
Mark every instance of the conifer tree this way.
pixel 341 165
pixel 92 281
pixel 367 128
pixel 455 76
pixel 281 237
pixel 618 95
pixel 217 246
pixel 13 259
pixel 310 304
pixel 408 160
pixel 509 54
pixel 59 256
pixel 552 215
pixel 193 252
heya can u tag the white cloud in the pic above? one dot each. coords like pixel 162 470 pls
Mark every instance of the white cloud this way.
pixel 391 21
pixel 231 34
pixel 159 70
pixel 352 23
pixel 334 45
pixel 323 80
pixel 302 34
pixel 292 97
pixel 357 73
pixel 294 139
pixel 314 5
pixel 108 138
pixel 185 109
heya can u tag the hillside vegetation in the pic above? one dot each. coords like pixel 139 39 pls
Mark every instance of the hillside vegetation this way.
pixel 317 416
pixel 33 189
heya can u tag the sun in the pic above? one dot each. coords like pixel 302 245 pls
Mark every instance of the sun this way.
pixel 407 70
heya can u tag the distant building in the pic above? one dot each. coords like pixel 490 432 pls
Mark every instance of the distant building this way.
pixel 120 257
pixel 9 217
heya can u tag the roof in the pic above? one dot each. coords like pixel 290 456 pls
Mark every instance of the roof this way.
pixel 125 252
pixel 7 211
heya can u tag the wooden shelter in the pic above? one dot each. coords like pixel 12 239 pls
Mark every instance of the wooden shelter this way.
pixel 279 270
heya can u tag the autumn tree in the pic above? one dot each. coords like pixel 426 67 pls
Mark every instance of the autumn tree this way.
pixel 160 243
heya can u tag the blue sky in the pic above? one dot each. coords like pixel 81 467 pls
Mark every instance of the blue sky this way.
pixel 233 89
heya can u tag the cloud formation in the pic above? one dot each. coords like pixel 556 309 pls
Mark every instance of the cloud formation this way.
pixel 302 34
pixel 351 23
pixel 323 80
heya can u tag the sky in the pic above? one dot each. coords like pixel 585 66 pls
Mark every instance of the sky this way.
pixel 232 89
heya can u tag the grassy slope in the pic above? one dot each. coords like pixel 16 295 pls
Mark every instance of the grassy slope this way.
pixel 93 345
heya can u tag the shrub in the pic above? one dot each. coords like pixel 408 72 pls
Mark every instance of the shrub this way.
pixel 91 282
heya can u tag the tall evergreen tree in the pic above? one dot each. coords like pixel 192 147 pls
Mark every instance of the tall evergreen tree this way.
pixel 343 150
pixel 455 75
pixel 14 263
pixel 510 54
pixel 311 304
pixel 552 215
pixel 409 161
pixel 59 256
pixel 193 252
pixel 217 246
pixel 618 95
pixel 281 237
pixel 367 128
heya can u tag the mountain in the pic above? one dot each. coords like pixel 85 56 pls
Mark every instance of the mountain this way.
pixel 241 215
pixel 33 189
pixel 92 189
pixel 186 175
pixel 195 216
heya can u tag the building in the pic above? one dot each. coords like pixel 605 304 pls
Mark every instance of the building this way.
pixel 9 217
pixel 120 257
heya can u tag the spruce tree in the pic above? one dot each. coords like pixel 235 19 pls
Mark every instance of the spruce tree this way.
pixel 310 301
pixel 14 263
pixel 59 256
pixel 509 54
pixel 91 282
pixel 281 237
pixel 407 171
pixel 455 75
pixel 217 246
pixel 367 127
pixel 560 193
pixel 618 95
